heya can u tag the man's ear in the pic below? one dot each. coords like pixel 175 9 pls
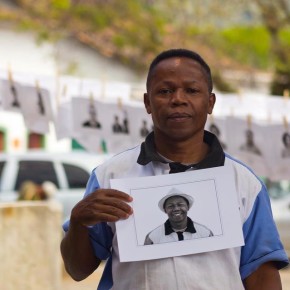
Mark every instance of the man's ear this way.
pixel 211 103
pixel 147 103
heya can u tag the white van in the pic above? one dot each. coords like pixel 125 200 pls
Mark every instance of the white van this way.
pixel 68 171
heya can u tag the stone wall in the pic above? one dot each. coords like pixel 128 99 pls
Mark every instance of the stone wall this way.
pixel 30 235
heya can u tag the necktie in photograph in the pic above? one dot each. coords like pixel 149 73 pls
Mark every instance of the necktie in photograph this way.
pixel 180 236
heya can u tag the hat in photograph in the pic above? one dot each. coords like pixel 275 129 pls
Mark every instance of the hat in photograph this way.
pixel 175 192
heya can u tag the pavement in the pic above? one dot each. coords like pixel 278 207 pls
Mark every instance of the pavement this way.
pixel 92 281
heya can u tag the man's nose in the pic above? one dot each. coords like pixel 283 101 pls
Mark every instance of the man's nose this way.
pixel 176 207
pixel 179 97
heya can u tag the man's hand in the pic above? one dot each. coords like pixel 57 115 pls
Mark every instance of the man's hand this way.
pixel 266 277
pixel 102 205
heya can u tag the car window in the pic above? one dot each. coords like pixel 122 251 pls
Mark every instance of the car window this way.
pixel 2 163
pixel 76 177
pixel 36 171
pixel 278 189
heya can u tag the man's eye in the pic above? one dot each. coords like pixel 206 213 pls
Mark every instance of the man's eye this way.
pixel 165 91
pixel 191 90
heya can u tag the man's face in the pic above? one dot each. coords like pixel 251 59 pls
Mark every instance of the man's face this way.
pixel 176 208
pixel 178 99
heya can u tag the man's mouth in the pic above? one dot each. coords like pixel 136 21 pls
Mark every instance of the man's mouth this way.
pixel 179 115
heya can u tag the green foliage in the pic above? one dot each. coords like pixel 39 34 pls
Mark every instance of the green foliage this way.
pixel 61 4
pixel 221 84
pixel 92 17
pixel 133 31
pixel 281 81
pixel 248 45
pixel 285 37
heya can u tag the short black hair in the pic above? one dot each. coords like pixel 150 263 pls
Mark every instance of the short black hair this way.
pixel 180 52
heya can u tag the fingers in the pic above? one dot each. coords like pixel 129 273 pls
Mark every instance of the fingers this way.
pixel 102 205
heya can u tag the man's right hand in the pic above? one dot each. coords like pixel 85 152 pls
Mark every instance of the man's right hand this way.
pixel 102 205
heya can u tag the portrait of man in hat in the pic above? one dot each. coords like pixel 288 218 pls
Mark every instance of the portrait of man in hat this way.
pixel 178 226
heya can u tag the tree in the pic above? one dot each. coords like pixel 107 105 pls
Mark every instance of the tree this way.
pixel 276 17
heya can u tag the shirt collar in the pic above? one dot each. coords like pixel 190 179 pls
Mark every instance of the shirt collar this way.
pixel 216 156
pixel 190 227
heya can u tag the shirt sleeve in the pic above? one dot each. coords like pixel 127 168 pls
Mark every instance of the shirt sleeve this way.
pixel 101 234
pixel 262 241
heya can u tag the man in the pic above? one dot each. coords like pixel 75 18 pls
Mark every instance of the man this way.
pixel 92 122
pixel 286 143
pixel 179 97
pixel 144 130
pixel 215 130
pixel 250 145
pixel 179 226
pixel 117 128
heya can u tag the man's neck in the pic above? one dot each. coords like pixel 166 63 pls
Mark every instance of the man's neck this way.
pixel 186 152
pixel 179 226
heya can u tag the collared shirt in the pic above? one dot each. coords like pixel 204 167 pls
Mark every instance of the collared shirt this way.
pixel 215 157
pixel 189 227
pixel 166 234
pixel 215 270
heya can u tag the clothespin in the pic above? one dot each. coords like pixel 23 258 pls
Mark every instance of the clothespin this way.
pixel 37 85
pixel 61 93
pixel 286 95
pixel 285 123
pixel 91 98
pixel 120 103
pixel 249 121
pixel 10 77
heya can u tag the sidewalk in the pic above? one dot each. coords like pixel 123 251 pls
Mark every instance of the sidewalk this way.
pixel 91 282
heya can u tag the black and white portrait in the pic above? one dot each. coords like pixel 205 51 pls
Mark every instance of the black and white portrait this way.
pixel 144 131
pixel 119 127
pixel 213 128
pixel 249 145
pixel 14 94
pixel 92 121
pixel 193 214
pixel 178 226
pixel 286 142
pixel 40 103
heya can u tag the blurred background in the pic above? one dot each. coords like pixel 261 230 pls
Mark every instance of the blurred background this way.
pixel 59 56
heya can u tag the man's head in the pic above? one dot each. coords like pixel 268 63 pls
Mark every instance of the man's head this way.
pixel 180 52
pixel 179 95
pixel 176 205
